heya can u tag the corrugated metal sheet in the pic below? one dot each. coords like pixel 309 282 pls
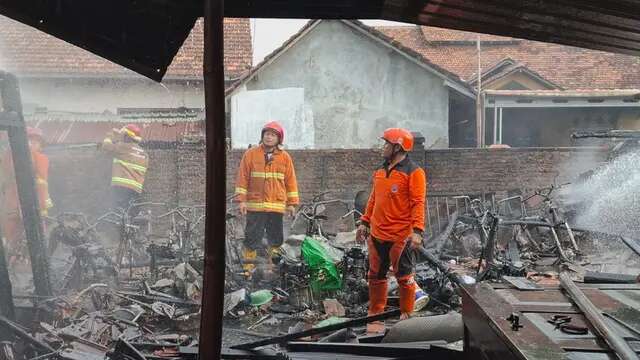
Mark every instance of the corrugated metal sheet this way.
pixel 75 128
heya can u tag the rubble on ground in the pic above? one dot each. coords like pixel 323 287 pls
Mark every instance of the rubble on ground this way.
pixel 314 290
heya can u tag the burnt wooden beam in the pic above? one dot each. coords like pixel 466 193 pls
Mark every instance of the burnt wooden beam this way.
pixel 632 244
pixel 540 20
pixel 327 9
pixel 215 223
pixel 519 24
pixel 25 181
pixel 321 330
pixel 617 8
pixel 417 350
pixel 568 14
pixel 451 20
pixel 16 330
pixel 597 320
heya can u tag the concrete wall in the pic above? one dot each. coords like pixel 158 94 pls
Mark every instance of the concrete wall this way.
pixel 98 95
pixel 356 87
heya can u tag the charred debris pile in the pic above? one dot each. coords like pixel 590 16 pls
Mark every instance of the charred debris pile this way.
pixel 123 293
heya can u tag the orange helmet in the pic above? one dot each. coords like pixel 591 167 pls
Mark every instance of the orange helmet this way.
pixel 399 136
pixel 133 131
pixel 275 126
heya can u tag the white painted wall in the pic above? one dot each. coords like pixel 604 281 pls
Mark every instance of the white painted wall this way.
pixel 356 87
pixel 99 95
pixel 252 109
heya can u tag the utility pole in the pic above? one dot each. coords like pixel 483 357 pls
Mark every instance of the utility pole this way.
pixel 479 105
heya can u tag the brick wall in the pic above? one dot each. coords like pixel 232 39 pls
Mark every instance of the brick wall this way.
pixel 79 179
pixel 342 172
pixel 190 173
pixel 476 171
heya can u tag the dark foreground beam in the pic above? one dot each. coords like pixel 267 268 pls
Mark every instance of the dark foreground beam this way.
pixel 321 330
pixel 11 327
pixel 419 350
pixel 632 244
pixel 23 169
pixel 214 245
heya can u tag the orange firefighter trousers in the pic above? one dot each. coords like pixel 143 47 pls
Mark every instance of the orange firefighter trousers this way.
pixel 400 256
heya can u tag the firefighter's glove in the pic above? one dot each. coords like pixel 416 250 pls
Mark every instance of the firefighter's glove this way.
pixel 415 240
pixel 242 208
pixel 291 211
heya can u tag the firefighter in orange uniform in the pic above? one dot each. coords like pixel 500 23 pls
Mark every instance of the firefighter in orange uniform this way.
pixel 12 226
pixel 130 163
pixel 266 188
pixel 393 223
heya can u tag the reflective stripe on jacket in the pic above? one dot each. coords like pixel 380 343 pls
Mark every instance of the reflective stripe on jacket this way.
pixel 267 185
pixel 130 162
pixel 41 173
pixel 396 204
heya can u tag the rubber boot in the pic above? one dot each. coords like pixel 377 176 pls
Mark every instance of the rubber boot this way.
pixel 377 303
pixel 407 290
pixel 249 257
pixel 274 254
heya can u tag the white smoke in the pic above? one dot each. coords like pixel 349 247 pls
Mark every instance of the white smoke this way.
pixel 611 197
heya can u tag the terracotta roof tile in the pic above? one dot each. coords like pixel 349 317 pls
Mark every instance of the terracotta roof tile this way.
pixel 568 67
pixel 78 128
pixel 27 51
pixel 434 34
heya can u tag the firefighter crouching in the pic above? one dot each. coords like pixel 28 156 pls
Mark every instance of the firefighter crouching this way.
pixel 266 189
pixel 393 223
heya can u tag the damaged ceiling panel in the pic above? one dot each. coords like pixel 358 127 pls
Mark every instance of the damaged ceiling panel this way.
pixel 610 26
pixel 145 35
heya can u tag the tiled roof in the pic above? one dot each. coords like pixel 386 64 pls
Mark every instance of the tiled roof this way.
pixel 441 35
pixel 30 52
pixel 579 93
pixel 506 68
pixel 568 67
pixel 410 48
pixel 78 128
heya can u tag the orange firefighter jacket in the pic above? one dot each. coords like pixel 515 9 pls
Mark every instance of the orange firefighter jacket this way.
pixel 267 185
pixel 130 161
pixel 396 204
pixel 9 191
